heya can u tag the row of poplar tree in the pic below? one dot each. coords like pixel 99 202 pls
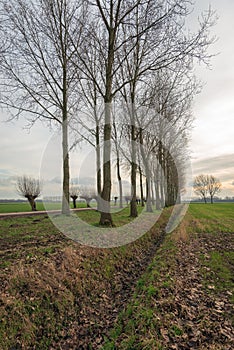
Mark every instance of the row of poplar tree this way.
pixel 118 74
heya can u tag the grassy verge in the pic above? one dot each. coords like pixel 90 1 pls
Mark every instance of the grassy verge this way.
pixel 56 293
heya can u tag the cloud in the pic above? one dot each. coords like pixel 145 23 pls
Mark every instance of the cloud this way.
pixel 220 166
pixel 4 183
pixel 87 181
pixel 4 172
pixel 8 181
pixel 7 186
pixel 56 180
pixel 74 180
pixel 215 165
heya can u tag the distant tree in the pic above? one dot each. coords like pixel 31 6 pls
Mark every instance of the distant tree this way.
pixel 74 194
pixel 207 184
pixel 29 188
pixel 88 193
pixel 128 199
pixel 213 186
pixel 200 186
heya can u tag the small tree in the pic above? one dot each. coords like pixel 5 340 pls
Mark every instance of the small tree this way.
pixel 213 187
pixel 200 186
pixel 128 199
pixel 88 193
pixel 29 188
pixel 74 194
pixel 204 184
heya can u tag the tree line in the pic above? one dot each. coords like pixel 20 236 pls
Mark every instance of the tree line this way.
pixel 116 74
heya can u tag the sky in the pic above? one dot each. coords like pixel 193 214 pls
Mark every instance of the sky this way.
pixel 212 144
pixel 212 141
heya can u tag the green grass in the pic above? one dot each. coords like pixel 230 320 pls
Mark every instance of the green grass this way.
pixel 211 218
pixel 217 216
pixel 16 207
pixel 120 217
pixel 209 211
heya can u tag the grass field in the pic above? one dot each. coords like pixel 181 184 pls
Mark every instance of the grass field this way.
pixel 218 217
pixel 16 207
pixel 56 294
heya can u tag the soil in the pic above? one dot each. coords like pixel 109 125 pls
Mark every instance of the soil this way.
pixel 198 306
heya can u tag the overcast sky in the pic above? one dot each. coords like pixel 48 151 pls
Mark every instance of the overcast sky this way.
pixel 213 134
pixel 212 144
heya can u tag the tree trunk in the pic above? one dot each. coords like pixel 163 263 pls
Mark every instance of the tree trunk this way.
pixel 66 171
pixel 166 180
pixel 149 208
pixel 32 203
pixel 148 177
pixel 161 176
pixel 156 187
pixel 170 184
pixel 98 167
pixel 120 183
pixel 133 205
pixel 141 187
pixel 152 193
pixel 106 218
pixel 74 202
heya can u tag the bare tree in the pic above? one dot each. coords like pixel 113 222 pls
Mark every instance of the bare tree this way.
pixel 204 184
pixel 29 188
pixel 88 193
pixel 89 125
pixel 169 96
pixel 74 194
pixel 51 50
pixel 213 187
pixel 200 186
pixel 39 79
pixel 111 16
pixel 118 139
pixel 156 40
